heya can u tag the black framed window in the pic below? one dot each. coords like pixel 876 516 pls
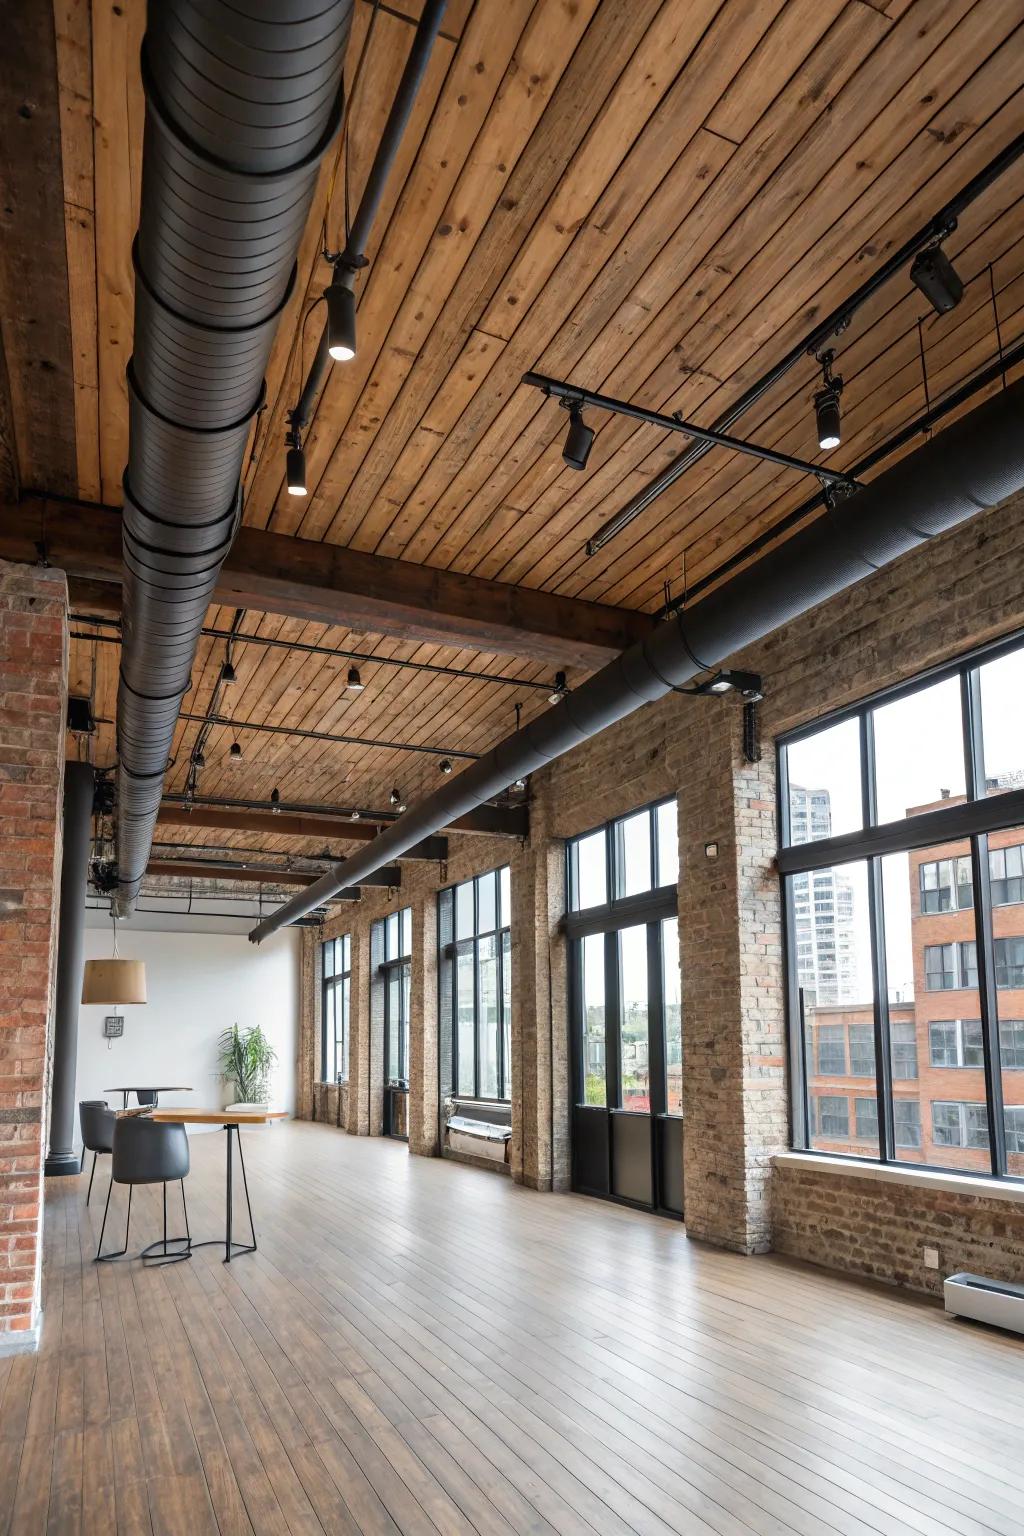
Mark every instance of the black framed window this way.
pixel 478 915
pixel 335 998
pixel 396 974
pixel 902 862
pixel 626 860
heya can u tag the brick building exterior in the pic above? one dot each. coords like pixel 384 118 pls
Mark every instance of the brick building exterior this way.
pixel 33 706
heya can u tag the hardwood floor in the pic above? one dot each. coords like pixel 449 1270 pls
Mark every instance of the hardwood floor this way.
pixel 422 1347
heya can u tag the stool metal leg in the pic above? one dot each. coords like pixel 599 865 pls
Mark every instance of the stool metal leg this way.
pixel 166 1255
pixel 88 1193
pixel 245 1186
pixel 116 1253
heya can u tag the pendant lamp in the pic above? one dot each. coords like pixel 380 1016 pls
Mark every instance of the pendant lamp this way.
pixel 114 980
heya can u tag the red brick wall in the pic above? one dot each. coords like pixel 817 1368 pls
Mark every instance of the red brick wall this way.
pixel 33 702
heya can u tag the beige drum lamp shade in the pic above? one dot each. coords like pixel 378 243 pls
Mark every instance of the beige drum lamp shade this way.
pixel 114 981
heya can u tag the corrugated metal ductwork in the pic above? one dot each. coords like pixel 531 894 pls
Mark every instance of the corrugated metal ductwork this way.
pixel 974 464
pixel 241 102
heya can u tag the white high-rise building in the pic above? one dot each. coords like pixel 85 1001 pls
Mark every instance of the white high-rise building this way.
pixel 822 908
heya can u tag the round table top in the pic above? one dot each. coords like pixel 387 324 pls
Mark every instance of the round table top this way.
pixel 152 1088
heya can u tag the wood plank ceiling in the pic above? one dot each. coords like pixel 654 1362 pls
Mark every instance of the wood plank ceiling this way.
pixel 654 198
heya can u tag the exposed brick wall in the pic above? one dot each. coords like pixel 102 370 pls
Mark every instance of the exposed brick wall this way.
pixel 33 704
pixel 880 1229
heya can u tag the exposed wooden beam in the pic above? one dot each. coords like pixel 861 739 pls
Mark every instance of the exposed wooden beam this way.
pixel 34 307
pixel 496 821
pixel 274 573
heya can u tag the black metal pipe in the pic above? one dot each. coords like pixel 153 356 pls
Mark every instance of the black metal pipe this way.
pixel 79 781
pixel 709 436
pixel 976 463
pixel 242 99
pixel 307 648
pixel 916 428
pixel 344 741
pixel 943 223
pixel 353 257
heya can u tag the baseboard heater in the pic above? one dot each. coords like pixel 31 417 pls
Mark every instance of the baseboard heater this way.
pixel 987 1301
pixel 479 1138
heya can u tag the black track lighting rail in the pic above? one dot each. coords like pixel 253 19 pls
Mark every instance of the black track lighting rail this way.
pixel 348 262
pixel 307 648
pixel 936 229
pixel 998 368
pixel 709 436
pixel 236 726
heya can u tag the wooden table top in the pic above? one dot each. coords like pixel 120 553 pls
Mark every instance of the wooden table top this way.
pixel 152 1088
pixel 218 1116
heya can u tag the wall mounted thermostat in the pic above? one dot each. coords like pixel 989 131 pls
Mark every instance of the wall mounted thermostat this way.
pixel 113 1027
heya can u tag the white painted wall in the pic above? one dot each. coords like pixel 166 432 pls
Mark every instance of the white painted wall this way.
pixel 198 984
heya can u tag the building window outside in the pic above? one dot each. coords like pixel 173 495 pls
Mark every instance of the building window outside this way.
pixel 396 972
pixel 885 933
pixel 904 1050
pixel 833 1115
pixel 336 993
pixel 478 914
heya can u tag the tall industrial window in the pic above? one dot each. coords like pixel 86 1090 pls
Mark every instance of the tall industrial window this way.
pixel 396 971
pixel 336 956
pixel 903 874
pixel 476 950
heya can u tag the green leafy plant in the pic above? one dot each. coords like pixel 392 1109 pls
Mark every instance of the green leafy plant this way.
pixel 246 1058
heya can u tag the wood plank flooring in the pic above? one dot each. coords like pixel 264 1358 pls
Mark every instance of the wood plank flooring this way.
pixel 421 1347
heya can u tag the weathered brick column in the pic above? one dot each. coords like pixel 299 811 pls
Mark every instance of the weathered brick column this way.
pixel 307 1065
pixel 359 1052
pixel 734 1079
pixel 540 1035
pixel 33 707
pixel 423 1101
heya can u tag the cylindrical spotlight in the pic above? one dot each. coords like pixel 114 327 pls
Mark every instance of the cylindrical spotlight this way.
pixel 578 440
pixel 341 321
pixel 445 765
pixel 355 682
pixel 275 801
pixel 295 471
pixel 826 411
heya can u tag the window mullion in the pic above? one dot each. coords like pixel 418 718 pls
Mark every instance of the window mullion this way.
pixel 883 1053
pixel 989 1003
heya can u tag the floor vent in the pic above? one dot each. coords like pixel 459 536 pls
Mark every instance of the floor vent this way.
pixel 987 1301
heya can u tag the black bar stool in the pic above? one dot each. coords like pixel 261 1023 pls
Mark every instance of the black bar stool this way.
pixel 97 1124
pixel 149 1152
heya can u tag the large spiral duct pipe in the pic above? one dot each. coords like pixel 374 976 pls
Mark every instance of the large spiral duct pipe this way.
pixel 974 464
pixel 242 100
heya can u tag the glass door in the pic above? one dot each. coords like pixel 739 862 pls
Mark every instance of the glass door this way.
pixel 396 971
pixel 626 1017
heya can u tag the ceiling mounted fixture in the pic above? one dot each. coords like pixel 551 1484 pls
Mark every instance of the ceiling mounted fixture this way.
pixel 396 800
pixel 747 684
pixel 341 315
pixel 560 689
pixel 275 801
pixel 934 274
pixel 114 980
pixel 445 766
pixel 198 760
pixel 235 752
pixel 228 676
pixel 354 815
pixel 295 464
pixel 826 404
pixel 579 439
pixel 354 682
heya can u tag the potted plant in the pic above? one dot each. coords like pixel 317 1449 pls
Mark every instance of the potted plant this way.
pixel 246 1058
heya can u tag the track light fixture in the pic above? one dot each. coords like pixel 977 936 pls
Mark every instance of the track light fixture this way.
pixel 295 464
pixel 275 802
pixel 579 439
pixel 560 689
pixel 355 682
pixel 354 815
pixel 198 760
pixel 228 676
pixel 934 274
pixel 826 404
pixel 445 765
pixel 341 316
pixel 396 800
pixel 235 752
pixel 747 684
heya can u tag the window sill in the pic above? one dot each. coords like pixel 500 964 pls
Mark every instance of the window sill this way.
pixel 923 1178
